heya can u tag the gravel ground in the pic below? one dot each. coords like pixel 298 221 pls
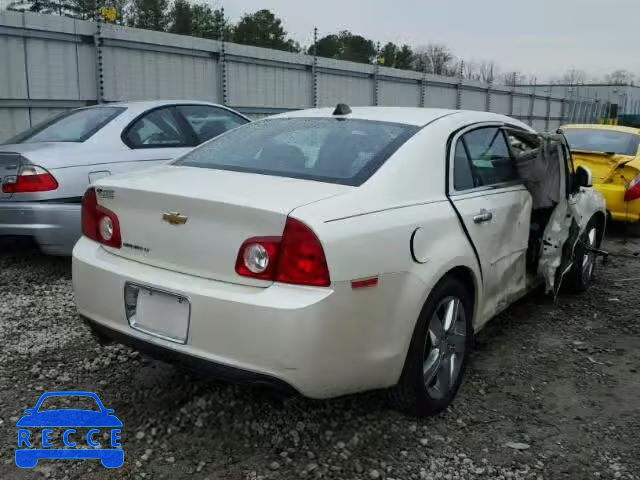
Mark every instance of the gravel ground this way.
pixel 553 391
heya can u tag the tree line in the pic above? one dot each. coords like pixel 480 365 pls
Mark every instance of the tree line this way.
pixel 264 29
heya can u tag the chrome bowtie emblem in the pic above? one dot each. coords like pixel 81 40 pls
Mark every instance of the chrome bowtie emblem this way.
pixel 174 218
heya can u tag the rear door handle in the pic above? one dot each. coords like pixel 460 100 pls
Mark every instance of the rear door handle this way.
pixel 483 216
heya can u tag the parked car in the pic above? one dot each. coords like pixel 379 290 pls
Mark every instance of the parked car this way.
pixel 612 153
pixel 333 252
pixel 45 171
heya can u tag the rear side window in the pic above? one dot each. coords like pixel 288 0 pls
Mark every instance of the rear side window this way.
pixel 157 128
pixel 345 151
pixel 489 155
pixel 462 174
pixel 72 126
pixel 209 122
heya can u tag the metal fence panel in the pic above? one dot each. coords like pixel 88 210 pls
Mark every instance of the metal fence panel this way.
pixel 400 94
pixel 257 85
pixel 354 90
pixel 521 105
pixel 500 102
pixel 440 96
pixel 141 74
pixel 540 107
pixel 474 99
pixel 556 109
pixel 13 72
pixel 53 69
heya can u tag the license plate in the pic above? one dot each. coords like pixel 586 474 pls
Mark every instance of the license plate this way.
pixel 161 314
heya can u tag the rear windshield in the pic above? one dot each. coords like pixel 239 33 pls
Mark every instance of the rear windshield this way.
pixel 71 126
pixel 345 151
pixel 607 141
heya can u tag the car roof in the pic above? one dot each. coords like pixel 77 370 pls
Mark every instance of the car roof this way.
pixel 597 126
pixel 408 115
pixel 156 103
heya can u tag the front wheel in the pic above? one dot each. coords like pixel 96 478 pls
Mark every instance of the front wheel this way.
pixel 584 261
pixel 439 351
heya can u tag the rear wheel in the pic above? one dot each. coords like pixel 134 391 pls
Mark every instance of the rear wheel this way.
pixel 438 353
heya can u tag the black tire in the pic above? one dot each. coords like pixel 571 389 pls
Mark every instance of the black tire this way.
pixel 412 394
pixel 582 272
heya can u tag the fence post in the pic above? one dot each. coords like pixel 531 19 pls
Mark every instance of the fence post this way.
pixel 423 88
pixel 224 97
pixel 459 86
pixel 532 101
pixel 512 95
pixel 314 70
pixel 487 103
pixel 97 41
pixel 547 120
pixel 376 71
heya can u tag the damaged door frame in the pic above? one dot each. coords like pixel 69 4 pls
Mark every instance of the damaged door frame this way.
pixel 514 260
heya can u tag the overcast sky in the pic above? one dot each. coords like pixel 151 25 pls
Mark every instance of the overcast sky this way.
pixel 541 37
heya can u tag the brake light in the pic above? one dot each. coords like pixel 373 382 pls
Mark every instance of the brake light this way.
pixel 301 258
pixel 297 257
pixel 98 223
pixel 31 178
pixel 633 190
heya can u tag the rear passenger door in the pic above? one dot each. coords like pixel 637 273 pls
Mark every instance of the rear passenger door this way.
pixel 495 208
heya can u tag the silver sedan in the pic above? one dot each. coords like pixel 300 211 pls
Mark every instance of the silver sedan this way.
pixel 45 170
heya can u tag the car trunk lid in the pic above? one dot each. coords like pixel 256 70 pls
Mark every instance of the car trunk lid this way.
pixel 194 220
pixel 601 164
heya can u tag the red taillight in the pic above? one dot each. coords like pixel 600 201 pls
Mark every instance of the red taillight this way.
pixel 301 258
pixel 31 178
pixel 99 223
pixel 633 190
pixel 257 257
pixel 297 257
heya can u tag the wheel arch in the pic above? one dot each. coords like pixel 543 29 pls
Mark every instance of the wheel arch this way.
pixel 469 279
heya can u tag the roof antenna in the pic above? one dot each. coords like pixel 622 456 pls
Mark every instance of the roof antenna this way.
pixel 342 109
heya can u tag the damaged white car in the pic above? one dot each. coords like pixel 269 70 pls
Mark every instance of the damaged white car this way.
pixel 336 251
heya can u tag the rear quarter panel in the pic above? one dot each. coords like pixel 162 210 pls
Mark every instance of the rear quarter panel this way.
pixel 379 245
pixel 614 190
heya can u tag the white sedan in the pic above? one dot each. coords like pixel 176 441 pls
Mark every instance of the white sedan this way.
pixel 336 251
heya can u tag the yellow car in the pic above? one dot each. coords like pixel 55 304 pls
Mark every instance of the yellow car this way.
pixel 612 154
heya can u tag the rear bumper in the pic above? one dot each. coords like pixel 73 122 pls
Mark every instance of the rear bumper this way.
pixel 159 352
pixel 54 226
pixel 323 342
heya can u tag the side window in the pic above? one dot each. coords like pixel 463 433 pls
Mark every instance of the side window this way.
pixel 209 122
pixel 157 128
pixel 462 174
pixel 489 155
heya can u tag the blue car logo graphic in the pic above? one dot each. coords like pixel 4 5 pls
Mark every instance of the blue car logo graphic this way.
pixel 69 419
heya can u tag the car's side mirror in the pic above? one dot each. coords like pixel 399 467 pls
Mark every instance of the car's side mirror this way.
pixel 584 178
pixel 29 411
pixel 109 411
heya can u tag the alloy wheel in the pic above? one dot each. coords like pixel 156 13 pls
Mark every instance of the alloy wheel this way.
pixel 588 260
pixel 445 347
